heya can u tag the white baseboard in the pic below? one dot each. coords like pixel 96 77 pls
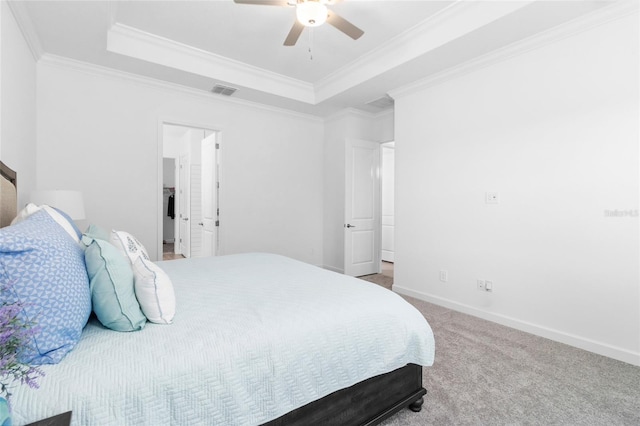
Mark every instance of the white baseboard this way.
pixel 558 336
pixel 334 269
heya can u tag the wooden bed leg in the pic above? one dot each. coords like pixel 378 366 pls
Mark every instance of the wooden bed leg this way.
pixel 416 406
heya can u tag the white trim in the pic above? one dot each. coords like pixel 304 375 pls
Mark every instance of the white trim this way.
pixel 97 70
pixel 382 114
pixel 162 121
pixel 549 333
pixel 354 112
pixel 159 198
pixel 333 268
pixel 451 22
pixel 139 44
pixel 613 11
pixel 349 112
pixel 19 11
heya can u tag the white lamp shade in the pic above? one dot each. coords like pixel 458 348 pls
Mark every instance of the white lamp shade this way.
pixel 311 13
pixel 70 202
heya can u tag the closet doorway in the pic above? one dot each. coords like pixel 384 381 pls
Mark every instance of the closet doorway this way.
pixel 190 192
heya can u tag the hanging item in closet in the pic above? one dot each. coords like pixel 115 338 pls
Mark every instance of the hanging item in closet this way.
pixel 171 207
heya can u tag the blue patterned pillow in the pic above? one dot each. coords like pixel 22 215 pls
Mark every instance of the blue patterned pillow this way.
pixel 46 271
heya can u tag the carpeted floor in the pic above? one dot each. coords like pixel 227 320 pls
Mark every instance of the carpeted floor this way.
pixel 380 279
pixel 488 374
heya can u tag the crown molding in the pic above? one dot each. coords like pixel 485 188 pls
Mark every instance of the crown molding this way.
pixel 346 113
pixel 96 70
pixel 383 114
pixel 355 112
pixel 447 24
pixel 139 44
pixel 21 15
pixel 615 10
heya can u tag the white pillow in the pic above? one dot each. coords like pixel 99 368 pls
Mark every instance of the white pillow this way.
pixel 128 245
pixel 154 291
pixel 70 228
pixel 28 210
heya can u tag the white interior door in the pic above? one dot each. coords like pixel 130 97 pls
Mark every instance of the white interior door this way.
pixel 184 242
pixel 195 210
pixel 362 208
pixel 209 204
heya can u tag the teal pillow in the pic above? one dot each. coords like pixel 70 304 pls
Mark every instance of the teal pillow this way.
pixel 94 231
pixel 111 283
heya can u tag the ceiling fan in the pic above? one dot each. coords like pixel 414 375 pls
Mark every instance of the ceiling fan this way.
pixel 310 13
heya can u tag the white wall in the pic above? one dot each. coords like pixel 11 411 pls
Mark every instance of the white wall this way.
pixel 171 136
pixel 17 104
pixel 101 132
pixel 555 131
pixel 348 124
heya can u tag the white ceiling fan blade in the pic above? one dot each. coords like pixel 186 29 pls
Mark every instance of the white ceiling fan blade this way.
pixel 294 34
pixel 263 2
pixel 343 25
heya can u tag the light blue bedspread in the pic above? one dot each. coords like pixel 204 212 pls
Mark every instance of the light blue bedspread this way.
pixel 254 337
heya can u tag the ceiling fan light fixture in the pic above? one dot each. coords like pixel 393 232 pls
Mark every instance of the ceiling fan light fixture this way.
pixel 311 13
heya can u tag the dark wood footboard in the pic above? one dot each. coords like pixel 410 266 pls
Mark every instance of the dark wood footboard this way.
pixel 365 403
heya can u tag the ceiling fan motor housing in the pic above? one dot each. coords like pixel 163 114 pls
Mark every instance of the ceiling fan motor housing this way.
pixel 311 13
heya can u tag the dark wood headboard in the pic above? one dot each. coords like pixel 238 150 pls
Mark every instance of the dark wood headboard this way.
pixel 8 194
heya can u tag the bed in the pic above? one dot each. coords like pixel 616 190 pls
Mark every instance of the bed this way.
pixel 257 339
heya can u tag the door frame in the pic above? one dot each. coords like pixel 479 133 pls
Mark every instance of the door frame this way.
pixel 159 155
pixel 382 174
pixel 183 203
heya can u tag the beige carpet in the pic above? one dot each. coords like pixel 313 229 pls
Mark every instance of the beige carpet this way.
pixel 488 374
pixel 380 279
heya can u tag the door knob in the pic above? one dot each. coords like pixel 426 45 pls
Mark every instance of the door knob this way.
pixel 348 225
pixel 200 223
pixel 185 219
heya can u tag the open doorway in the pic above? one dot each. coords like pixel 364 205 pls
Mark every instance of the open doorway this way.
pixel 384 161
pixel 168 208
pixel 369 210
pixel 190 192
pixel 387 232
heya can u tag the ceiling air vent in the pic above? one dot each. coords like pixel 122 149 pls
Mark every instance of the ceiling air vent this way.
pixel 223 90
pixel 384 102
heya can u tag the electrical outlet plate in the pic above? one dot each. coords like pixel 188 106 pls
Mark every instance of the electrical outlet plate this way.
pixel 444 276
pixel 484 285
